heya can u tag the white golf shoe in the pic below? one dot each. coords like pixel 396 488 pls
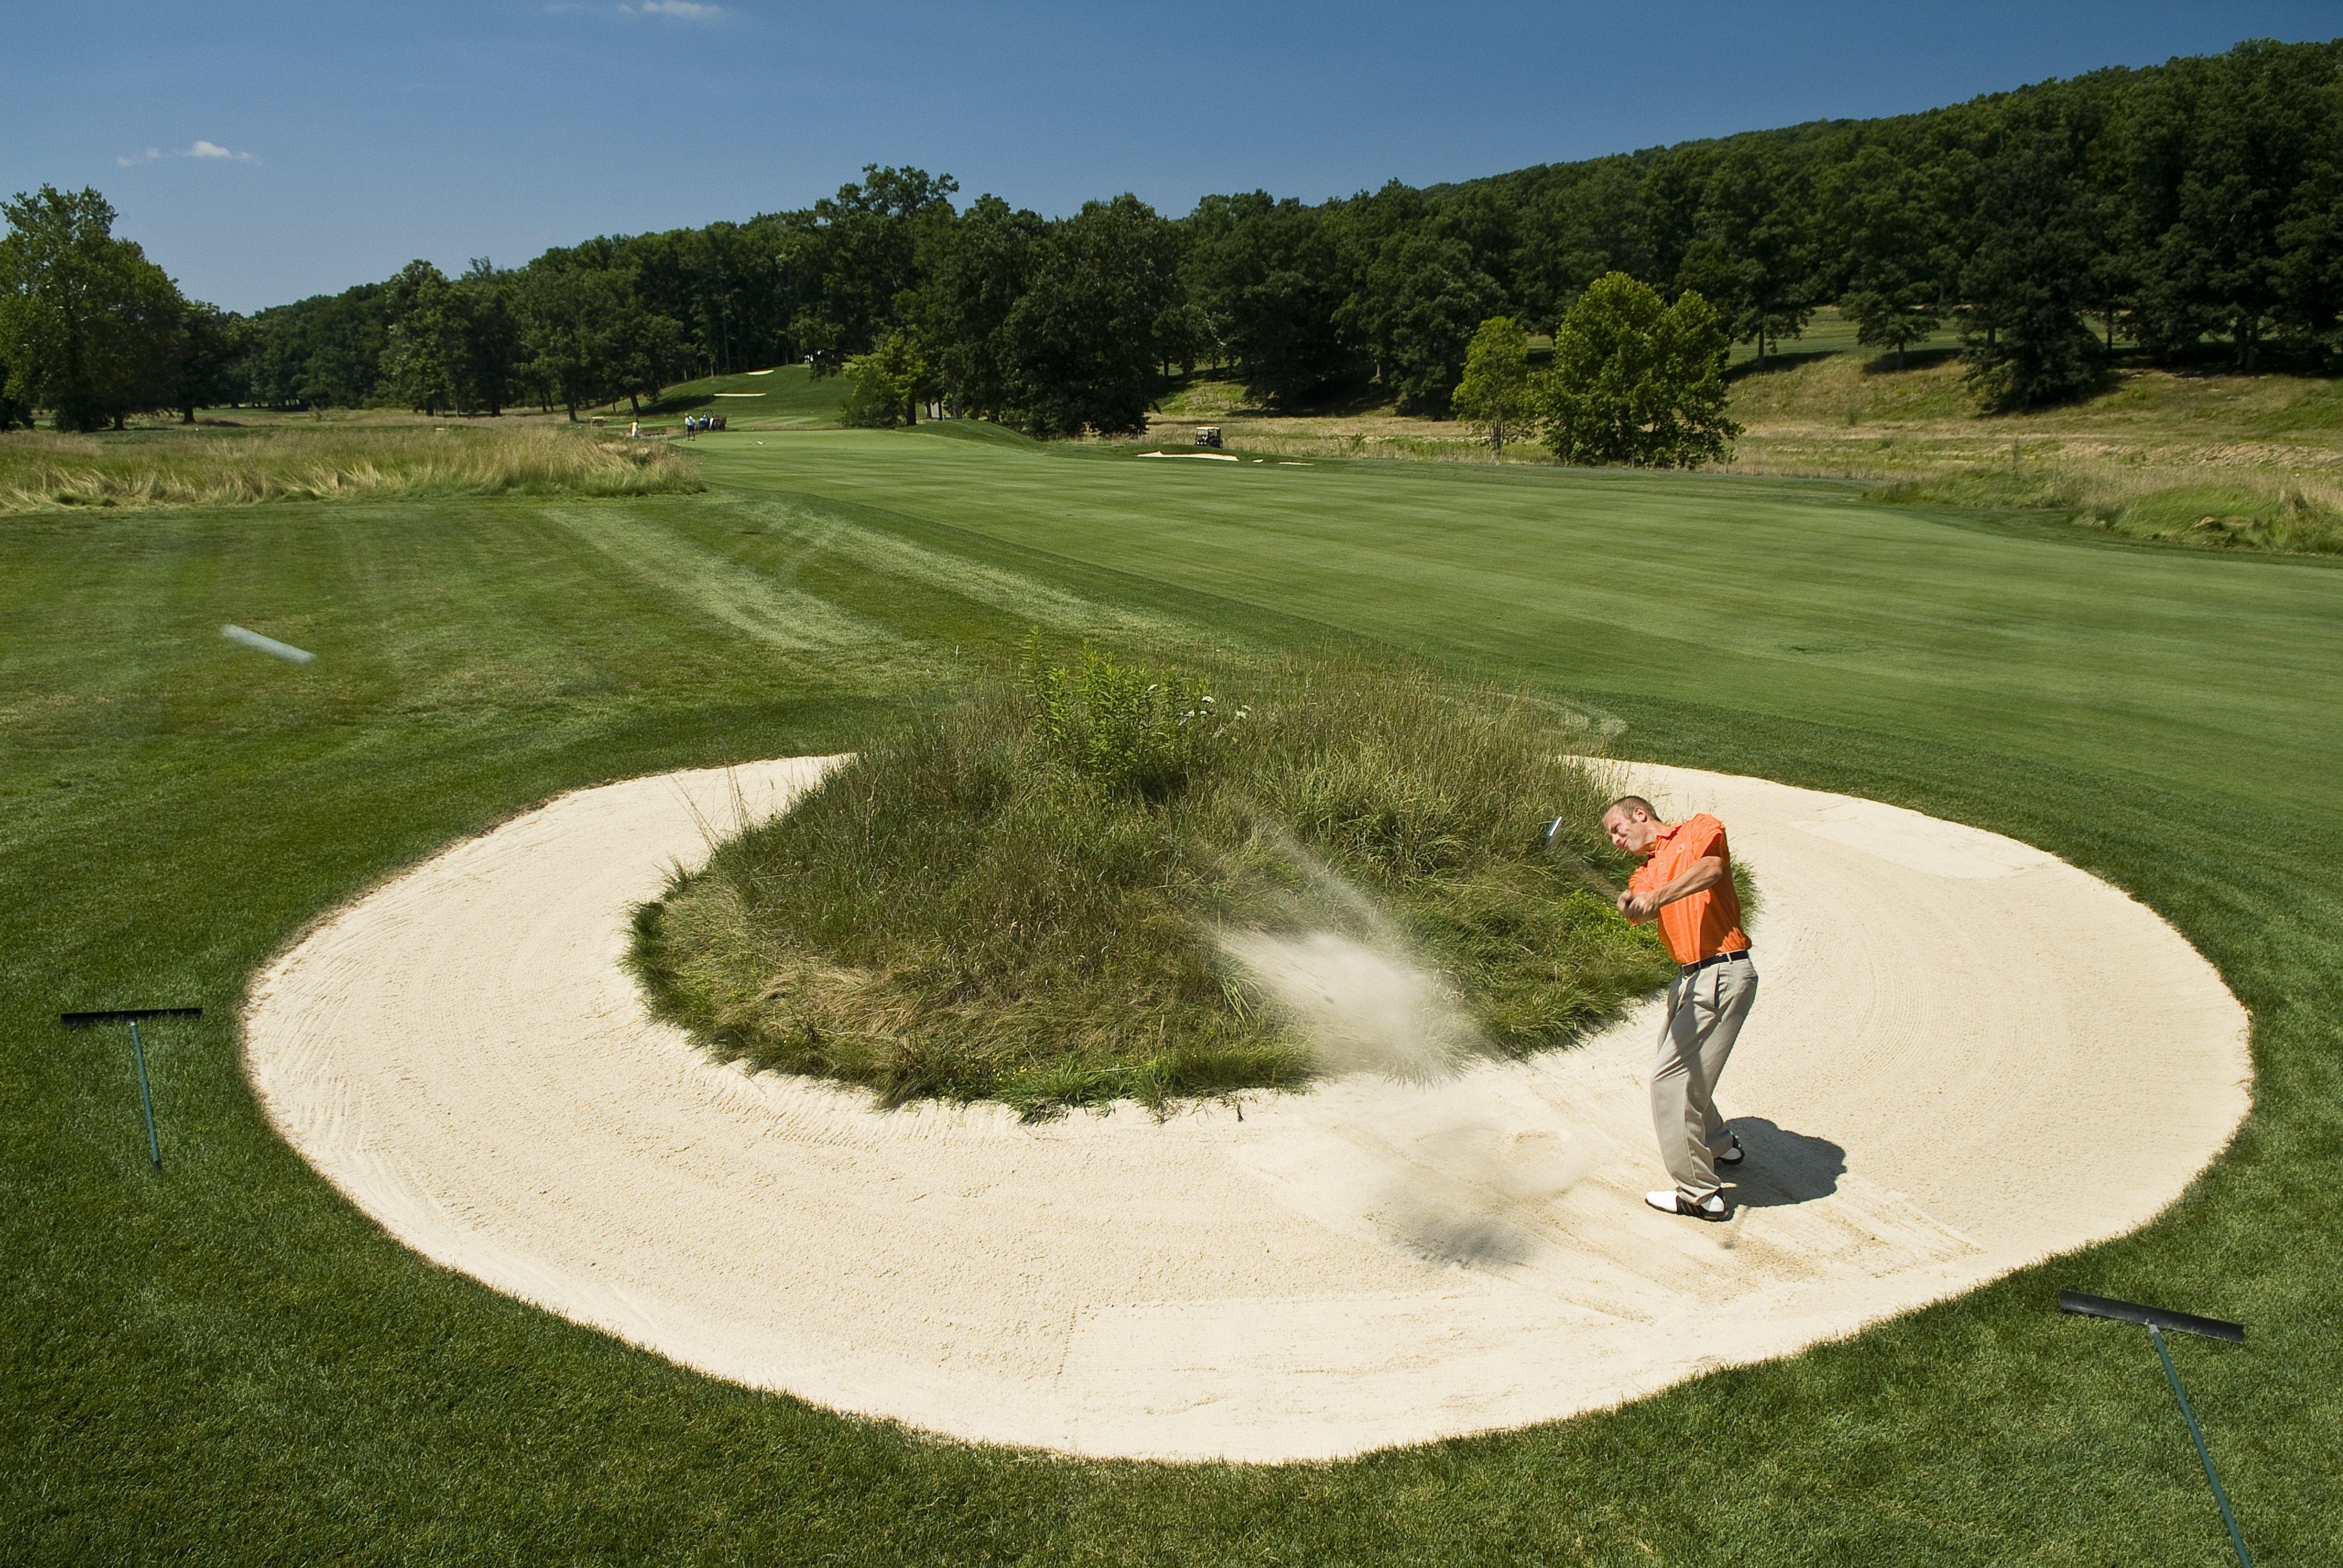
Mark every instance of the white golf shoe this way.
pixel 1668 1201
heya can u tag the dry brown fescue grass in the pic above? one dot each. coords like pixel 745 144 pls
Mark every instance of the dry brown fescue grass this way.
pixel 2214 460
pixel 2211 460
pixel 41 472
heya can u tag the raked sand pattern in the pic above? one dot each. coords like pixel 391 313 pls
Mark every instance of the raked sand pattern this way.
pixel 1966 1055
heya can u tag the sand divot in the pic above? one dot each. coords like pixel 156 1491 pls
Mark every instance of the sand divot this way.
pixel 1966 1055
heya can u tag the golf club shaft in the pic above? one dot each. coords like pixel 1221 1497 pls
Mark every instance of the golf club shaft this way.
pixel 1586 873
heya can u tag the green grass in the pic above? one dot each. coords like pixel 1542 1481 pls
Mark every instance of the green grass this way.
pixel 784 398
pixel 227 1364
pixel 181 466
pixel 1828 332
pixel 1019 898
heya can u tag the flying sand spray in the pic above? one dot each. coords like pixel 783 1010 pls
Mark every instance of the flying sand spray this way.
pixel 1441 1167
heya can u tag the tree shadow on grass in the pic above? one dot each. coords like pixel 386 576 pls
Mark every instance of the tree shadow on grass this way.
pixel 1781 360
pixel 1915 358
pixel 1781 1168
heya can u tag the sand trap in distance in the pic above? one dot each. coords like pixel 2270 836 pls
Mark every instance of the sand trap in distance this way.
pixel 1966 1055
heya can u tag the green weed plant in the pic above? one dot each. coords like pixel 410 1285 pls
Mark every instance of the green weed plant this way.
pixel 1017 899
pixel 1124 726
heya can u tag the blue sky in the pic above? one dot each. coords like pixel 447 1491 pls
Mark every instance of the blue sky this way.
pixel 262 152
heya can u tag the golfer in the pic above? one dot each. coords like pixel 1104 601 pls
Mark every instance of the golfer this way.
pixel 1686 883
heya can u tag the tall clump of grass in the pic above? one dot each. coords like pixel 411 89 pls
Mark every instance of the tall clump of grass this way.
pixel 47 473
pixel 1017 899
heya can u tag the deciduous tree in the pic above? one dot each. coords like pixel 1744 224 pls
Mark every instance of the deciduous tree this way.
pixel 974 270
pixel 1751 256
pixel 853 259
pixel 2022 286
pixel 423 357
pixel 1271 276
pixel 89 327
pixel 492 343
pixel 1636 381
pixel 211 351
pixel 1416 310
pixel 886 386
pixel 1495 392
pixel 1080 340
pixel 1890 244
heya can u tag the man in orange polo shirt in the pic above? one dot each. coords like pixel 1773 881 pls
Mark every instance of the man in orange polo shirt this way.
pixel 1686 883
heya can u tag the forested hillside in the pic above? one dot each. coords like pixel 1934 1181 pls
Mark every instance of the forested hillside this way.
pixel 2195 207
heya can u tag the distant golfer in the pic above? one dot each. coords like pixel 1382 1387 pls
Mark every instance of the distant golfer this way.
pixel 1686 881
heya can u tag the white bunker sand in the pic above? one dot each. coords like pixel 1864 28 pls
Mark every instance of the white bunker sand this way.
pixel 1966 1055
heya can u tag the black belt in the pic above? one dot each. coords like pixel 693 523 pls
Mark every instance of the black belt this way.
pixel 1693 968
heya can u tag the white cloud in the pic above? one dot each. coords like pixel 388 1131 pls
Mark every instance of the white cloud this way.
pixel 673 10
pixel 202 149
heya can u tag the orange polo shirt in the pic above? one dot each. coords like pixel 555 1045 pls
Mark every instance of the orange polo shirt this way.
pixel 1705 923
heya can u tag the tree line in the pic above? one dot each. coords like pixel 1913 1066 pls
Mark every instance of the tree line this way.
pixel 2195 207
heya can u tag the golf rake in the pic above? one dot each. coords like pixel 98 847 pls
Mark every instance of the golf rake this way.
pixel 132 1015
pixel 2156 1319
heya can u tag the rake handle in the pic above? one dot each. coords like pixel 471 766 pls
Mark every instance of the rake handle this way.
pixel 2203 1456
pixel 146 1097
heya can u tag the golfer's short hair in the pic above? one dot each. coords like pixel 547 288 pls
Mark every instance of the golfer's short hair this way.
pixel 1632 803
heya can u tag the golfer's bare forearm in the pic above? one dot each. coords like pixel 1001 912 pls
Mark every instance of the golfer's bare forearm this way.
pixel 1698 877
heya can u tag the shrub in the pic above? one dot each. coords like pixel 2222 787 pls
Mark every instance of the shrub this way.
pixel 1124 727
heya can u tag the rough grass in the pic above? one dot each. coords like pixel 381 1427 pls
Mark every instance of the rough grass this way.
pixel 41 472
pixel 1016 899
pixel 2202 505
pixel 2215 460
pixel 2223 461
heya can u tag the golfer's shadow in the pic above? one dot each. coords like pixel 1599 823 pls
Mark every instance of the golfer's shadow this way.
pixel 1780 1168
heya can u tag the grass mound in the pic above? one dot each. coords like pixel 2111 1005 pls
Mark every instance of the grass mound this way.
pixel 40 472
pixel 1018 899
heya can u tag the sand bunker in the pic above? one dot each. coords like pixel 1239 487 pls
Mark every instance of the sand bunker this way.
pixel 1966 1055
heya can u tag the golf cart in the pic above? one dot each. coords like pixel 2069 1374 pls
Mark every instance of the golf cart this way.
pixel 1209 436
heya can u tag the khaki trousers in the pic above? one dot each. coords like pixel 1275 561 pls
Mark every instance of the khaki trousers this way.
pixel 1706 1010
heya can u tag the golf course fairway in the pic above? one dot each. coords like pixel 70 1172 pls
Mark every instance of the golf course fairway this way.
pixel 225 1360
